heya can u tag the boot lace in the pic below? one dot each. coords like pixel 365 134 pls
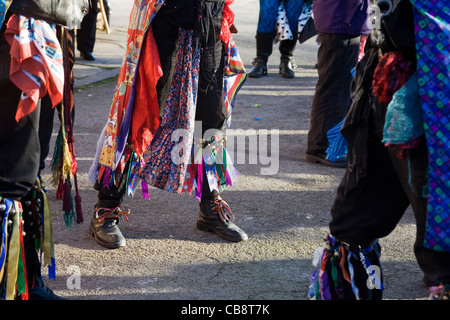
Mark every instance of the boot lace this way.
pixel 111 213
pixel 222 208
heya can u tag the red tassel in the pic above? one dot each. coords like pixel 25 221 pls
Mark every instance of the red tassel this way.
pixel 60 190
pixel 78 209
pixel 67 207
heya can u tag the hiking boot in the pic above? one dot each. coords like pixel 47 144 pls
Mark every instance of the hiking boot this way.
pixel 216 216
pixel 104 227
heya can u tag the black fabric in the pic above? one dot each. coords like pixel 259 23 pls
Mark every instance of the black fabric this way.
pixel 194 15
pixel 111 196
pixel 395 32
pixel 209 109
pixel 180 13
pixel 88 28
pixel 308 31
pixel 355 127
pixel 373 208
pixel 32 223
pixel 287 47
pixel 45 129
pixel 344 290
pixel 19 141
pixel 209 98
pixel 378 185
pixel 264 45
pixel 337 56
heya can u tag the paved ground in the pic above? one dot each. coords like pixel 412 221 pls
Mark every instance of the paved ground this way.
pixel 285 214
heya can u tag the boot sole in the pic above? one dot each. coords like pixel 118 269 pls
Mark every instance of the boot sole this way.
pixel 105 244
pixel 251 75
pixel 258 75
pixel 287 76
pixel 316 159
pixel 203 227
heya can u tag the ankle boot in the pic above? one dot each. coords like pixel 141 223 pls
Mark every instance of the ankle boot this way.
pixel 216 216
pixel 287 68
pixel 264 42
pixel 259 69
pixel 287 63
pixel 104 224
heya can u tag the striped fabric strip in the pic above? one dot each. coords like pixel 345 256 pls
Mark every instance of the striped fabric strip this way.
pixel 234 78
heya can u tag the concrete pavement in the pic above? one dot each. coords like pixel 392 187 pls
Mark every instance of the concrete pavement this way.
pixel 284 213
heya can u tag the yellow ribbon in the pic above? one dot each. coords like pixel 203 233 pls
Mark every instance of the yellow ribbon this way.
pixel 14 251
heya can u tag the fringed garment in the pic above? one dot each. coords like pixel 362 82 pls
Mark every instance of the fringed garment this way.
pixel 15 227
pixel 136 133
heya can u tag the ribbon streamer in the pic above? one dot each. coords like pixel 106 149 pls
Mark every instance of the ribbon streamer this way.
pixel 47 243
pixel 7 205
pixel 14 252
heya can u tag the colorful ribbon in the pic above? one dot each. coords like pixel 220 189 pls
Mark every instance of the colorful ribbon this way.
pixel 15 251
pixel 5 208
pixel 47 243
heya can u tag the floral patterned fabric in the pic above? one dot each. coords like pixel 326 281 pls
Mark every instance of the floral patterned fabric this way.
pixel 163 163
pixel 162 168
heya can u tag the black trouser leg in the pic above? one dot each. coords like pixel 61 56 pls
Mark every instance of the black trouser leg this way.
pixel 373 209
pixel 88 28
pixel 337 56
pixel 264 46
pixel 112 196
pixel 19 141
pixel 45 129
pixel 166 38
pixel 20 156
pixel 287 63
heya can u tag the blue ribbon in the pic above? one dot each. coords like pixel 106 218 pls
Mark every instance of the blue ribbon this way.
pixel 8 205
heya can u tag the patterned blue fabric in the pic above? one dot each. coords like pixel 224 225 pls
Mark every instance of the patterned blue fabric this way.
pixel 432 20
pixel 165 166
pixel 404 121
pixel 4 4
pixel 337 145
pixel 268 10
